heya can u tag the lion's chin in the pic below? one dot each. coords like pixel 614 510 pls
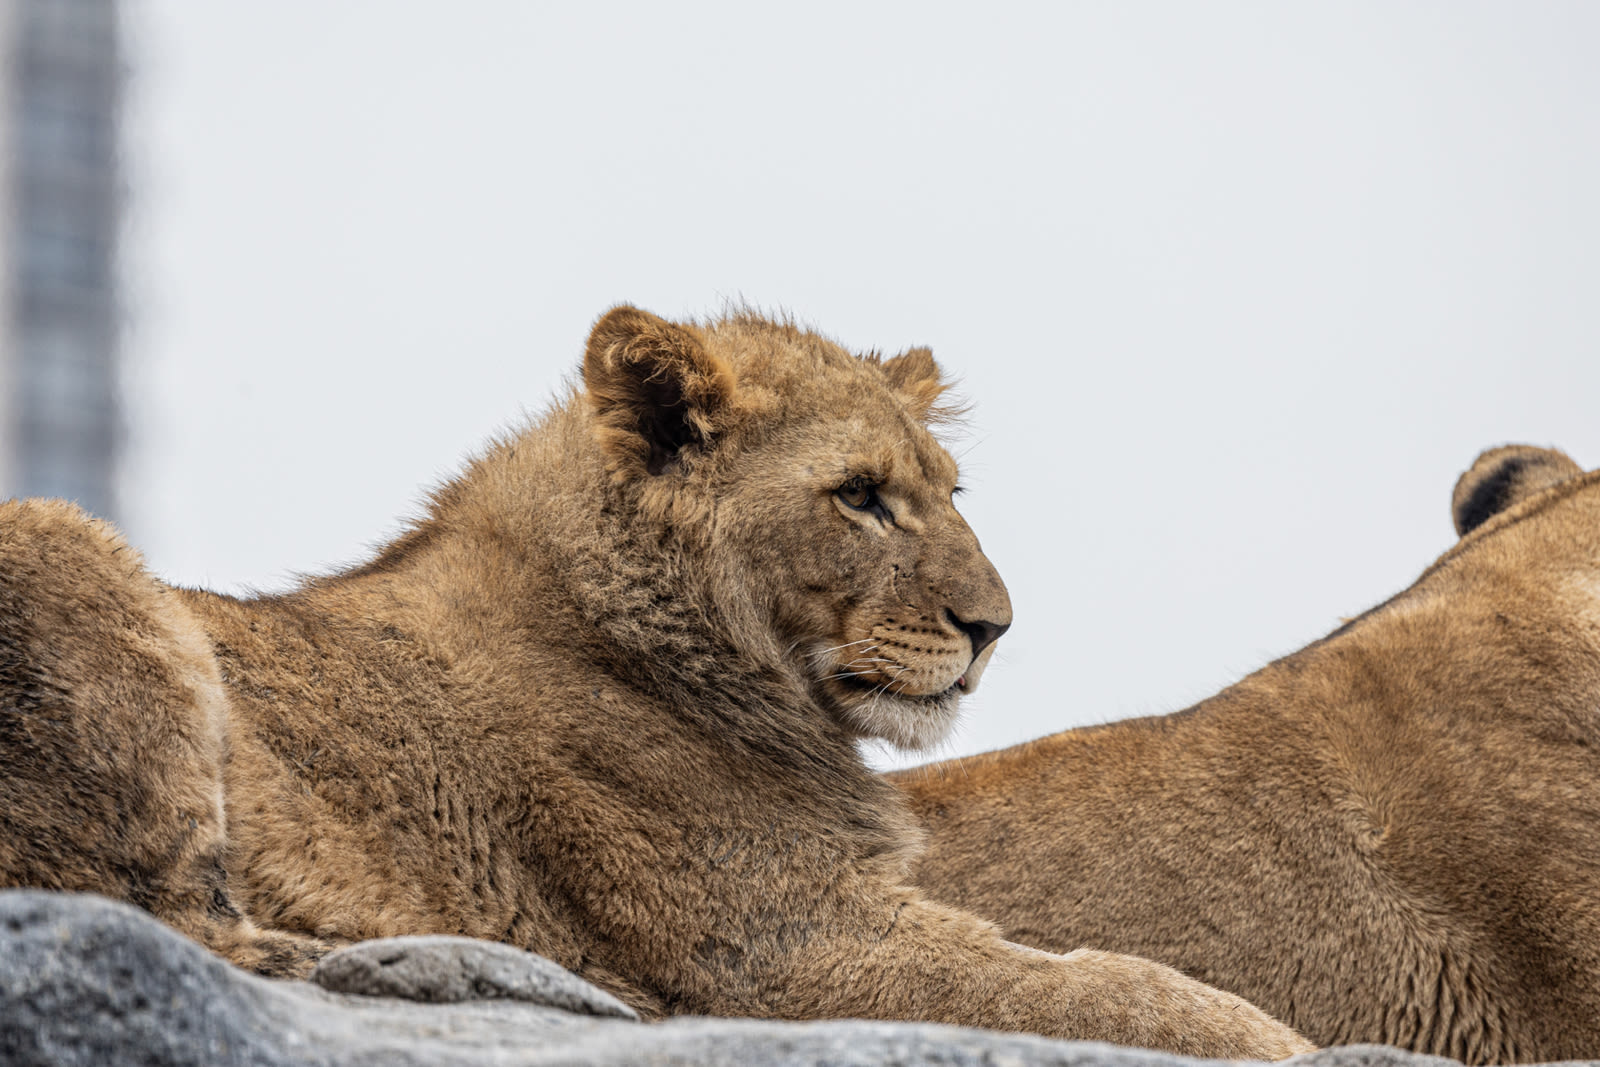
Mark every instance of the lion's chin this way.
pixel 910 723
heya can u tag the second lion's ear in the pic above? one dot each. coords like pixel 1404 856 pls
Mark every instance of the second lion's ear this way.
pixel 1502 477
pixel 654 389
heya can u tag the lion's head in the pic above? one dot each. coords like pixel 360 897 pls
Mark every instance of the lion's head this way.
pixel 809 480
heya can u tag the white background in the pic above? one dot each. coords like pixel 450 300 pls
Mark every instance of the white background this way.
pixel 1237 288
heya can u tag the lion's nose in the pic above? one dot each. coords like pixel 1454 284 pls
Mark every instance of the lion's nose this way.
pixel 982 633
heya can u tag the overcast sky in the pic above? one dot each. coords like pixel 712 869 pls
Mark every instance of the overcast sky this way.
pixel 1237 289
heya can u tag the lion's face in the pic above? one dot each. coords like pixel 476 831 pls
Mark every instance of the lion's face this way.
pixel 846 522
pixel 824 503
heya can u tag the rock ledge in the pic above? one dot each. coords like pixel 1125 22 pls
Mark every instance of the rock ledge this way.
pixel 84 980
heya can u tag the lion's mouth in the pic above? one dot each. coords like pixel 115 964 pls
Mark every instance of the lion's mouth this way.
pixel 867 686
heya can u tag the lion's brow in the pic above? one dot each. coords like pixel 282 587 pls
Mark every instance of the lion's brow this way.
pixel 938 466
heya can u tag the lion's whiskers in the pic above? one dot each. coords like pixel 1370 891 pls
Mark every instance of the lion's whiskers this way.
pixel 862 666
pixel 836 648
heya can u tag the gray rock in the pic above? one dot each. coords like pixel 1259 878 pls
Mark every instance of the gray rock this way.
pixel 450 970
pixel 1369 1056
pixel 84 980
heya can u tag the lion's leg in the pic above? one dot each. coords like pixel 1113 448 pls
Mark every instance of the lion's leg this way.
pixel 936 962
pixel 113 729
pixel 871 957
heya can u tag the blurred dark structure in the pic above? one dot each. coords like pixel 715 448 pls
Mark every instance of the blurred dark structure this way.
pixel 60 83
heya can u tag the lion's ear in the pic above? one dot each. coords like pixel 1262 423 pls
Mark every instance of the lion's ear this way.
pixel 915 376
pixel 653 388
pixel 1503 476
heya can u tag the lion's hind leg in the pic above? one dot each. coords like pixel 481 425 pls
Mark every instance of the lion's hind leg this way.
pixel 113 729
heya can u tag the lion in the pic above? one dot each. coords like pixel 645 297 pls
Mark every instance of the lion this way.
pixel 601 703
pixel 1392 835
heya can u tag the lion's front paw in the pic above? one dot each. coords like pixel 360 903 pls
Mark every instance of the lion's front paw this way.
pixel 1149 1004
pixel 1235 1029
pixel 1276 1042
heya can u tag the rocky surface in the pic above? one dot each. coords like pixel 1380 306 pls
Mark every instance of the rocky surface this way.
pixel 455 970
pixel 87 981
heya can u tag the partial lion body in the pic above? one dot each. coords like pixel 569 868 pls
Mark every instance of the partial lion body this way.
pixel 1391 836
pixel 114 732
pixel 603 704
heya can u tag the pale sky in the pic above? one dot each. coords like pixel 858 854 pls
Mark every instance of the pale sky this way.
pixel 1236 289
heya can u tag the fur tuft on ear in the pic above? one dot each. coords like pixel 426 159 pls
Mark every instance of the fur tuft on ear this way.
pixel 915 376
pixel 1504 476
pixel 653 388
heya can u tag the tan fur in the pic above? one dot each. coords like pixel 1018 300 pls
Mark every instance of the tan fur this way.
pixel 1390 836
pixel 603 704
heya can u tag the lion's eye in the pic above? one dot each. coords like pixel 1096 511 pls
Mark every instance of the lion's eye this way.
pixel 862 495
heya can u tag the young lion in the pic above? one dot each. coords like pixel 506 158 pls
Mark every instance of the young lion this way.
pixel 1390 836
pixel 601 704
